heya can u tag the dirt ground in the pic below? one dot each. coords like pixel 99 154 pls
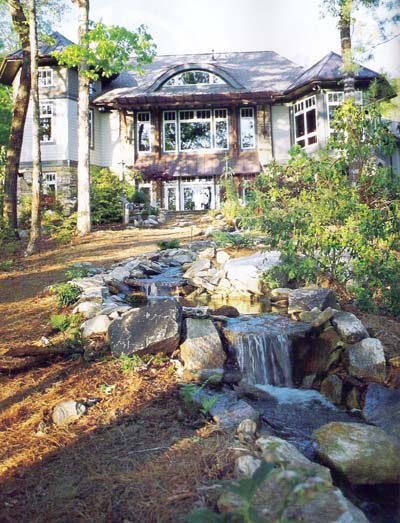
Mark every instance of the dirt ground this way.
pixel 137 455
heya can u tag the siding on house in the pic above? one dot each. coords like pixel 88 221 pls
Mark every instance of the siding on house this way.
pixel 281 132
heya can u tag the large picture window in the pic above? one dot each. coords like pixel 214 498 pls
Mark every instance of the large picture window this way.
pixel 46 122
pixel 143 132
pixel 195 130
pixel 247 128
pixel 305 122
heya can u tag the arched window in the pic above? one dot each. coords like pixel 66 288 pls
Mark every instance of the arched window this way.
pixel 194 77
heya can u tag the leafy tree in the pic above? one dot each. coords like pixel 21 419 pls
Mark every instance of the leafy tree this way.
pixel 102 52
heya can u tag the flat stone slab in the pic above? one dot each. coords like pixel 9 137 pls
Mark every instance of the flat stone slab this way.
pixel 307 299
pixel 382 408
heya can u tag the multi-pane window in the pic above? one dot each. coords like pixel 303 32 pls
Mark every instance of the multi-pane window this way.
pixel 247 128
pixel 91 128
pixel 49 183
pixel 334 99
pixel 143 132
pixel 305 121
pixel 46 122
pixel 194 78
pixel 45 77
pixel 195 130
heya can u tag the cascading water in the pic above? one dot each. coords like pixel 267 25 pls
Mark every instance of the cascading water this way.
pixel 262 345
pixel 265 358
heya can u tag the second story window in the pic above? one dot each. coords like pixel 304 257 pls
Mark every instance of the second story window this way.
pixel 334 99
pixel 247 128
pixel 305 122
pixel 45 77
pixel 170 131
pixel 195 130
pixel 143 132
pixel 46 122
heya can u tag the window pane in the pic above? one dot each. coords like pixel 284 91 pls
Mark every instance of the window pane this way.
pixel 171 197
pixel 188 202
pixel 247 133
pixel 311 121
pixel 195 135
pixel 144 137
pixel 195 77
pixel 170 136
pixel 45 129
pixel 311 140
pixel 300 129
pixel 221 134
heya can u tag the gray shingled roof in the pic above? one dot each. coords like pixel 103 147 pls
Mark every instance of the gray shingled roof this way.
pixel 258 71
pixel 46 49
pixel 329 68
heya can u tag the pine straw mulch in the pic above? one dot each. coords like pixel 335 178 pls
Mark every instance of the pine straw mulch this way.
pixel 94 470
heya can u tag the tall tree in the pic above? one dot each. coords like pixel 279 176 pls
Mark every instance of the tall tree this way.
pixel 18 117
pixel 102 52
pixel 34 239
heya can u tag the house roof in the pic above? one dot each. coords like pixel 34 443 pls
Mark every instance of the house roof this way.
pixel 329 68
pixel 12 62
pixel 243 72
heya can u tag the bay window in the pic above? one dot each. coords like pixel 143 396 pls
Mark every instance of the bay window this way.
pixel 305 122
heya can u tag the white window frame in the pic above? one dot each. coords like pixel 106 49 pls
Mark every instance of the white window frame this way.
pixel 45 77
pixel 215 116
pixel 244 116
pixel 91 128
pixel 46 110
pixel 46 184
pixel 302 107
pixel 147 123
pixel 335 99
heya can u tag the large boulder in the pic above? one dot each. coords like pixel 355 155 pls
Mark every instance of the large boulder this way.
pixel 366 359
pixel 96 325
pixel 199 266
pixel 362 453
pixel 349 327
pixel 244 273
pixel 151 329
pixel 307 299
pixel 202 348
pixel 382 408
pixel 295 490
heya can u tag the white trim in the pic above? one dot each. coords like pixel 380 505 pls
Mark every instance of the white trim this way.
pixel 301 108
pixel 247 114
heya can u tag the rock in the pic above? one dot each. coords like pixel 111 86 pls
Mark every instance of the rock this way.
pixel 280 293
pixel 208 253
pixel 87 308
pixel 280 452
pixel 98 293
pixel 67 411
pixel 246 465
pixel 246 430
pixel 222 257
pixel 309 316
pixel 119 274
pixel 151 329
pixel 353 399
pixel 363 454
pixel 226 310
pixel 366 359
pixel 307 299
pixel 97 325
pixel 182 258
pixel 349 327
pixel 202 348
pixel 199 265
pixel 323 317
pixel 211 376
pixel 244 274
pixel 382 408
pixel 332 388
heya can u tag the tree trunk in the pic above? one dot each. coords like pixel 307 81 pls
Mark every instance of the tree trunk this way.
pixel 20 110
pixel 34 240
pixel 83 221
pixel 345 43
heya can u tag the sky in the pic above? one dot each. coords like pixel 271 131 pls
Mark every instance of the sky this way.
pixel 294 28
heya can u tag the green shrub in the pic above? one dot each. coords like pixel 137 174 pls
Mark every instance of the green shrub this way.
pixel 67 293
pixel 140 198
pixel 106 193
pixel 129 363
pixel 78 270
pixel 60 322
pixel 168 244
pixel 6 265
pixel 235 240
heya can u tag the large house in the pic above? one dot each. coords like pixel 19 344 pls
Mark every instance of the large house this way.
pixel 184 120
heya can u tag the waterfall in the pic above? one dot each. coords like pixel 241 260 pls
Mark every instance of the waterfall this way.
pixel 264 358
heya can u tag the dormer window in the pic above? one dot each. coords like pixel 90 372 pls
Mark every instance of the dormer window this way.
pixel 45 77
pixel 194 78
